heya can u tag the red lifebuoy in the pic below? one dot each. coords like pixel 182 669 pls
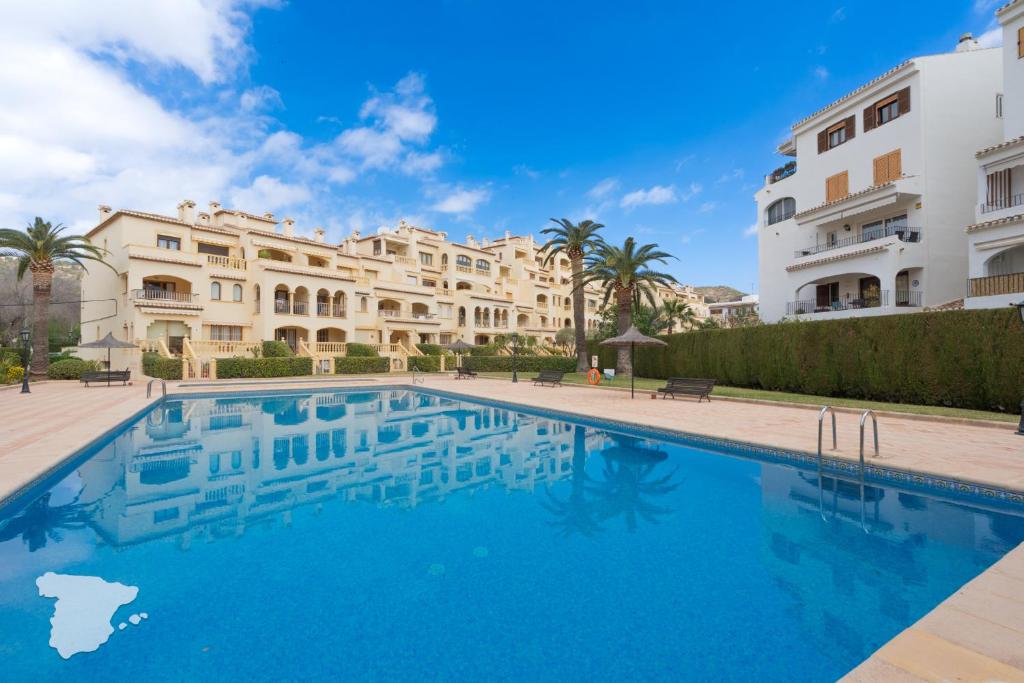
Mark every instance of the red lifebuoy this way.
pixel 593 377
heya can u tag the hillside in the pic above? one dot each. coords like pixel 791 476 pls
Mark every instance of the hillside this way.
pixel 717 293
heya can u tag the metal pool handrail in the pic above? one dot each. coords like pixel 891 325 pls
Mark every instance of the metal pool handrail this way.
pixel 821 458
pixel 149 387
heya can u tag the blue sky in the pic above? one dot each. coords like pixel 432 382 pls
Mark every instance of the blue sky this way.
pixel 659 119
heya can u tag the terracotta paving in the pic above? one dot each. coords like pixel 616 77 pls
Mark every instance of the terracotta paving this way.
pixel 977 634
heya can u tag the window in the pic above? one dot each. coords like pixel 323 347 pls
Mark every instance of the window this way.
pixel 411 280
pixel 781 210
pixel 887 109
pixel 362 304
pixel 225 333
pixel 215 291
pixel 165 242
pixel 426 259
pixel 999 105
pixel 837 134
pixel 429 283
pixel 888 167
pixel 837 186
pixel 463 260
pixel 214 249
pixel 445 338
pixel 481 264
pixel 376 247
pixel 236 293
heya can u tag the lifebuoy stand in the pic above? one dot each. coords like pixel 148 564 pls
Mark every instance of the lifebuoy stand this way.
pixel 593 377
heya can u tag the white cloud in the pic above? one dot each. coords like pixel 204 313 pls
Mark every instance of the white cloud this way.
pixel 707 207
pixel 524 170
pixel 821 73
pixel 603 188
pixel 838 16
pixel 659 194
pixel 993 37
pixel 269 194
pixel 735 174
pixel 461 201
pixel 260 98
pixel 687 237
pixel 692 191
pixel 751 231
pixel 418 164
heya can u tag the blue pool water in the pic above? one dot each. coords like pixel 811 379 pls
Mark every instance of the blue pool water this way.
pixel 400 535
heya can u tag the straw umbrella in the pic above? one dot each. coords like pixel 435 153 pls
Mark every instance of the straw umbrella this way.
pixel 109 342
pixel 459 347
pixel 632 338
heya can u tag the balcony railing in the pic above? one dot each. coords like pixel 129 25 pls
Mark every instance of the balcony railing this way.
pixel 281 306
pixel 782 172
pixel 904 233
pixel 994 285
pixel 388 312
pixel 900 298
pixel 300 307
pixel 1005 203
pixel 226 261
pixel 405 260
pixel 296 307
pixel 326 310
pixel 148 294
pixel 463 269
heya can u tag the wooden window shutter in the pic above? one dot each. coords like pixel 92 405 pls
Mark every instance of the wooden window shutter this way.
pixel 888 167
pixel 904 99
pixel 823 141
pixel 837 186
pixel 1020 43
pixel 851 128
pixel 869 118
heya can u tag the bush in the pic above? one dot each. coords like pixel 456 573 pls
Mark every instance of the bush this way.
pixel 54 357
pixel 276 349
pixel 431 349
pixel 523 364
pixel 360 365
pixel 484 350
pixel 155 365
pixel 361 351
pixel 71 368
pixel 275 366
pixel 14 374
pixel 425 363
pixel 964 359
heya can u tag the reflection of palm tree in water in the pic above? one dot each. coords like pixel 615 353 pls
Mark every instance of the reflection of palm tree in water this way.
pixel 630 483
pixel 576 514
pixel 40 522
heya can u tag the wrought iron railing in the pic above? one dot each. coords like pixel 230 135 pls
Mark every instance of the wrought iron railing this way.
pixel 904 233
pixel 782 172
pixel 1004 203
pixel 842 303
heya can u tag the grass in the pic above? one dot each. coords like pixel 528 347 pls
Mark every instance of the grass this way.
pixel 645 384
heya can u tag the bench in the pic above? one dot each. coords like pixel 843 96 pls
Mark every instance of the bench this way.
pixel 701 388
pixel 122 376
pixel 552 377
pixel 464 373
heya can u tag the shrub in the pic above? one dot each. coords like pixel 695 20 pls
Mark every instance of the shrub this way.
pixel 355 350
pixel 431 349
pixel 360 365
pixel 71 368
pixel 276 349
pixel 275 366
pixel 484 350
pixel 155 365
pixel 425 363
pixel 964 359
pixel 523 364
pixel 14 374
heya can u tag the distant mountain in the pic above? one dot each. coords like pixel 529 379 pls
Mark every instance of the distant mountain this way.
pixel 718 293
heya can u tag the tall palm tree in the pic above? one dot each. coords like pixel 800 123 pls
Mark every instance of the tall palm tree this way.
pixel 675 311
pixel 625 273
pixel 575 240
pixel 39 249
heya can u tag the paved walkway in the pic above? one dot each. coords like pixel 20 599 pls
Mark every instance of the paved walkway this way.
pixel 977 634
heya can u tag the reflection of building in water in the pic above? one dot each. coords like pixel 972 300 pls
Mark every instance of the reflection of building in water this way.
pixel 223 463
pixel 885 574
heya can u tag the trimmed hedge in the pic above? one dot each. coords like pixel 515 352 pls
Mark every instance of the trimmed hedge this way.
pixel 155 365
pixel 360 365
pixel 964 359
pixel 275 366
pixel 431 349
pixel 355 350
pixel 425 363
pixel 523 363
pixel 71 368
pixel 276 349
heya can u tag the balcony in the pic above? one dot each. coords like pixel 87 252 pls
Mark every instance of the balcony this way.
pixel 994 285
pixel 405 260
pixel 782 172
pixel 901 298
pixel 162 295
pixel 226 262
pixel 904 233
pixel 326 310
pixel 1007 203
pixel 296 308
pixel 388 312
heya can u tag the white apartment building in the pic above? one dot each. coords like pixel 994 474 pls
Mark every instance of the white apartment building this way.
pixel 868 217
pixel 995 239
pixel 218 283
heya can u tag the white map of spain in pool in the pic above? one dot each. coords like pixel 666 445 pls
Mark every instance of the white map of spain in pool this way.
pixel 85 605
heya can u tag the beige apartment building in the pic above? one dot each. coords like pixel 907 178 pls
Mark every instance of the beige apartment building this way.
pixel 215 284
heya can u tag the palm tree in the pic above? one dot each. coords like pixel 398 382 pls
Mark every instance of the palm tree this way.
pixel 624 272
pixel 39 249
pixel 675 311
pixel 575 241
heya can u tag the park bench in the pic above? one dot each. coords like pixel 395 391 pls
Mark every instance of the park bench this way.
pixel 108 376
pixel 701 388
pixel 552 377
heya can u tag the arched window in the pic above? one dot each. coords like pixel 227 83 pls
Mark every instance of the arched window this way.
pixel 463 260
pixel 236 293
pixel 215 291
pixel 482 264
pixel 781 210
pixel 362 304
pixel 256 298
pixel 444 259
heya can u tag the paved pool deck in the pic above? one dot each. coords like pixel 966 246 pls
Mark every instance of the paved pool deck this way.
pixel 975 635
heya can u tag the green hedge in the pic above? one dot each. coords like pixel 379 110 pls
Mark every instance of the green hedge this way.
pixel 355 350
pixel 425 363
pixel 431 349
pixel 71 368
pixel 360 365
pixel 293 366
pixel 523 364
pixel 276 349
pixel 155 365
pixel 963 359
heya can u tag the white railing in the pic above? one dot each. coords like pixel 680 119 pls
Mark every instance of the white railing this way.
pixel 226 261
pixel 328 348
pixel 152 294
pixel 215 347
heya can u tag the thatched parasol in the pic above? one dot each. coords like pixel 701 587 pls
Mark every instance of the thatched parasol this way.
pixel 632 338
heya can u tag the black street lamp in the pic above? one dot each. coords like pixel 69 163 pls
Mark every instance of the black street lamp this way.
pixel 1020 426
pixel 515 350
pixel 26 352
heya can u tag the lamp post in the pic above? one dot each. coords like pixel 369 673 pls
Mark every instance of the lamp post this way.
pixel 515 351
pixel 25 351
pixel 1020 426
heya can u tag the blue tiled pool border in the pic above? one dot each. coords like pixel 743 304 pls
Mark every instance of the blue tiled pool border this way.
pixel 965 491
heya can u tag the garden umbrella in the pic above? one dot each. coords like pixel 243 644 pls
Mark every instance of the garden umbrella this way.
pixel 632 338
pixel 459 347
pixel 108 342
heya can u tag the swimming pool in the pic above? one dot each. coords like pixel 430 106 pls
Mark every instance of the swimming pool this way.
pixel 400 534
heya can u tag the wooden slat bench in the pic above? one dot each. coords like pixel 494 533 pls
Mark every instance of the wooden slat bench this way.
pixel 122 376
pixel 464 373
pixel 552 377
pixel 701 388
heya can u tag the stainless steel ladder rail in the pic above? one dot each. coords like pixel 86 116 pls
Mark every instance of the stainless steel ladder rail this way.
pixel 149 387
pixel 821 475
pixel 874 423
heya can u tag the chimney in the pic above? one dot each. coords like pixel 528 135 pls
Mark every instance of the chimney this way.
pixel 269 216
pixel 105 212
pixel 470 241
pixel 967 43
pixel 289 227
pixel 508 234
pixel 486 242
pixel 355 235
pixel 204 218
pixel 318 234
pixel 214 207
pixel 187 211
